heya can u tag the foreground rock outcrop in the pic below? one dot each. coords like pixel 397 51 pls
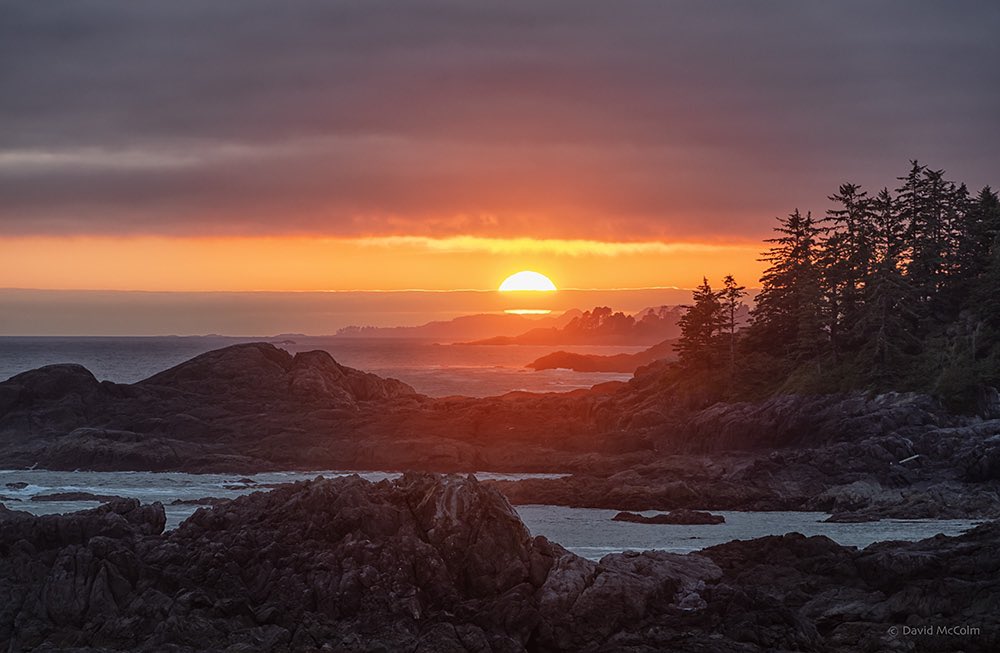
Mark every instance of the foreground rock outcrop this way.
pixel 427 563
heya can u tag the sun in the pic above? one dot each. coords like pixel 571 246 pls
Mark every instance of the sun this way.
pixel 527 280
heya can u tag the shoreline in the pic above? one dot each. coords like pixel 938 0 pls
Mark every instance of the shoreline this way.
pixel 428 560
pixel 253 408
pixel 508 484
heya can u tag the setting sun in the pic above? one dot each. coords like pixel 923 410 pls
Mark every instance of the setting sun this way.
pixel 527 280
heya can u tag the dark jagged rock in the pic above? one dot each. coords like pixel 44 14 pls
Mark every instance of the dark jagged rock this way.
pixel 115 519
pixel 680 516
pixel 114 449
pixel 421 562
pixel 75 496
pixel 20 485
pixel 241 484
pixel 426 563
pixel 864 478
pixel 811 421
pixel 203 501
pixel 849 518
pixel 852 598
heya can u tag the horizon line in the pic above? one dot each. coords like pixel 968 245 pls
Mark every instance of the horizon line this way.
pixel 337 291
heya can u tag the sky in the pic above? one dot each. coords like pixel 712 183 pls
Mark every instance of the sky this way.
pixel 200 145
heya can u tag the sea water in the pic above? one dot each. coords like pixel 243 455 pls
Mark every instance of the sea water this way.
pixel 165 487
pixel 431 368
pixel 590 533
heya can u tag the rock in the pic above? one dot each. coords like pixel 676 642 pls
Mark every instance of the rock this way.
pixel 840 477
pixel 203 501
pixel 119 518
pixel 254 407
pixel 811 420
pixel 627 363
pixel 262 370
pixel 680 516
pixel 429 563
pixel 76 496
pixel 982 461
pixel 19 485
pixel 988 402
pixel 52 382
pixel 111 449
pixel 849 518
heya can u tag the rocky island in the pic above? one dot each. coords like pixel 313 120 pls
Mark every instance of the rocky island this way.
pixel 627 363
pixel 681 516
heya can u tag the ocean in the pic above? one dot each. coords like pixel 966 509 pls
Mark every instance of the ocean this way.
pixel 434 369
pixel 587 532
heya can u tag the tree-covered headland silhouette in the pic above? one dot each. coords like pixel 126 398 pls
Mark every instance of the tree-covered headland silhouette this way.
pixel 896 290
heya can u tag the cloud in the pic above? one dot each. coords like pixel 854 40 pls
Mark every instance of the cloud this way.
pixel 582 120
pixel 568 247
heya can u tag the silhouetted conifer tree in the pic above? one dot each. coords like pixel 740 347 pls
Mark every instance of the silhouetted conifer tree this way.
pixel 846 262
pixel 980 233
pixel 885 324
pixel 787 319
pixel 731 297
pixel 930 206
pixel 700 325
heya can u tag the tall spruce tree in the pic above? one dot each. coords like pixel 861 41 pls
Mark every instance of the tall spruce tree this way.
pixel 930 206
pixel 845 262
pixel 788 320
pixel 700 326
pixel 885 324
pixel 731 298
pixel 980 230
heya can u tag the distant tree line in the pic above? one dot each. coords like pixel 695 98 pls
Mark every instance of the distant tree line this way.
pixel 602 321
pixel 899 290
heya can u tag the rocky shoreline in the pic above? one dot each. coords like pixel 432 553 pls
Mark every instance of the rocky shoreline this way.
pixel 864 489
pixel 429 563
pixel 254 407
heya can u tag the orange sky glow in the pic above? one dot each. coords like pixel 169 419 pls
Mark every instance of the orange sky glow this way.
pixel 300 263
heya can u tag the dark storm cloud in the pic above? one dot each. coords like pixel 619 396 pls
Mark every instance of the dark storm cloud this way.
pixel 617 119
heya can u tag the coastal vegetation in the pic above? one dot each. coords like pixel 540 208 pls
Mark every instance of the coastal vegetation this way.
pixel 895 290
